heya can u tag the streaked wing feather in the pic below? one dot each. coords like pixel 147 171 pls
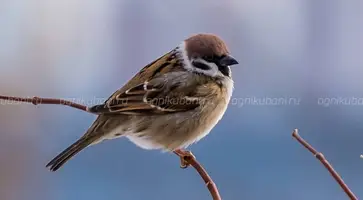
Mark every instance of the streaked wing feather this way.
pixel 147 93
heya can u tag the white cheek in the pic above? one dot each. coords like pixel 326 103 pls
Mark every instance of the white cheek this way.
pixel 184 56
pixel 213 70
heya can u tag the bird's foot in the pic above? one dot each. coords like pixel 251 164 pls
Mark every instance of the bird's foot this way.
pixel 185 157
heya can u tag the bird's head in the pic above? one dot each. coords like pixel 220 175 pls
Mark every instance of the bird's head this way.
pixel 207 54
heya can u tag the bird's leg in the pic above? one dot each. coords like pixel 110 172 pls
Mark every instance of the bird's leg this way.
pixel 185 157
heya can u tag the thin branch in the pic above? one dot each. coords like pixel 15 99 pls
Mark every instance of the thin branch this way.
pixel 186 157
pixel 326 164
pixel 38 100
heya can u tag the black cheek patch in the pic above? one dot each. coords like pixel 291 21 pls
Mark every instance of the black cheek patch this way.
pixel 200 65
pixel 225 70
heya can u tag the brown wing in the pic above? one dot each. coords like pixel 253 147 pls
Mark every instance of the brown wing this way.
pixel 147 93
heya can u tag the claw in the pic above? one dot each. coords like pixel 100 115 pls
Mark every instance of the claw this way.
pixel 185 157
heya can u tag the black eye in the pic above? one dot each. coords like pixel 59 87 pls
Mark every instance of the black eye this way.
pixel 200 65
pixel 209 58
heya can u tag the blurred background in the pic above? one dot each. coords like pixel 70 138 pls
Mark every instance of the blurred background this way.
pixel 300 67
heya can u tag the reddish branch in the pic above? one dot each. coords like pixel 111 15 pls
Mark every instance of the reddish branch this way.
pixel 326 164
pixel 37 100
pixel 187 158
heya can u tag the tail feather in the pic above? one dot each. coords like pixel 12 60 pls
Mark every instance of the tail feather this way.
pixel 68 153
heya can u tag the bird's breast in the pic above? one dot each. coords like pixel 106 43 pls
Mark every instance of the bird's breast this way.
pixel 213 110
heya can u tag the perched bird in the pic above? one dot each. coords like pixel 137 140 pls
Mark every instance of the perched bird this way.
pixel 169 104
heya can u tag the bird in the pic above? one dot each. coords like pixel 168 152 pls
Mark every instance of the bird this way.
pixel 169 104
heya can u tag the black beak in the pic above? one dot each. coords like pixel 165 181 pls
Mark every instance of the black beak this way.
pixel 228 61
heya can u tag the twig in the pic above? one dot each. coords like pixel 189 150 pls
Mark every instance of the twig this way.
pixel 326 164
pixel 37 100
pixel 186 157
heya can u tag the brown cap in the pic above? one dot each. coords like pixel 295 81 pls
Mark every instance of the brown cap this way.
pixel 205 45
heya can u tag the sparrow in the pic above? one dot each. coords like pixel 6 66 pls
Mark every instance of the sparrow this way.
pixel 169 104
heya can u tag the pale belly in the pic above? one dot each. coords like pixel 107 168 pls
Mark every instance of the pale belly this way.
pixel 178 131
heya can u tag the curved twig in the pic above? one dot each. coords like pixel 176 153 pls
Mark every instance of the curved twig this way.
pixel 326 164
pixel 186 159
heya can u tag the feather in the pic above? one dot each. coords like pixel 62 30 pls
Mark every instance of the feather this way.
pixel 68 153
pixel 157 89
